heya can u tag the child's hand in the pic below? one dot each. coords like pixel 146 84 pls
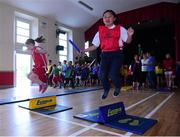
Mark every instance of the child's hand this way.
pixel 82 52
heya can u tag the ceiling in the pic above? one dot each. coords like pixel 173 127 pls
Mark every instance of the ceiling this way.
pixel 73 14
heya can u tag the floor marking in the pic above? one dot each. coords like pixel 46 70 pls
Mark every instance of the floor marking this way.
pixel 75 123
pixel 71 122
pixel 77 133
pixel 141 101
pixel 97 129
pixel 159 106
pixel 153 111
pixel 128 108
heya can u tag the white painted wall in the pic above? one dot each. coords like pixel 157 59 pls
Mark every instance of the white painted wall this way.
pixel 78 37
pixel 6 38
pixel 48 31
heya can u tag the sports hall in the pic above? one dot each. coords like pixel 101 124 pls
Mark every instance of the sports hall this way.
pixel 74 106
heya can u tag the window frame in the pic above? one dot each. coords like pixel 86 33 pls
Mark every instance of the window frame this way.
pixel 59 39
pixel 87 46
pixel 17 44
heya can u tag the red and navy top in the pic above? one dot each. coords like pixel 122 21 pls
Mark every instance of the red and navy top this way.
pixel 109 38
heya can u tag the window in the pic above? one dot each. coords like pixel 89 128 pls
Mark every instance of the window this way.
pixel 22 30
pixel 87 46
pixel 63 41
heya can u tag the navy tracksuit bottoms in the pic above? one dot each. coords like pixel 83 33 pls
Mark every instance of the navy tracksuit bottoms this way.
pixel 110 67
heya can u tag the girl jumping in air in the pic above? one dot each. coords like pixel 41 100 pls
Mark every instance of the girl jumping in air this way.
pixel 110 37
pixel 38 73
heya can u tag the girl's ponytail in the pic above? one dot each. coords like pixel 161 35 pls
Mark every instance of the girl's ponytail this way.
pixel 40 39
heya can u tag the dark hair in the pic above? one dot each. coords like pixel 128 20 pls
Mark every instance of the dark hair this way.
pixel 38 40
pixel 117 21
pixel 30 41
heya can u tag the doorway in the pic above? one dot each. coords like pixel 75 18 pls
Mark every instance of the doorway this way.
pixel 23 67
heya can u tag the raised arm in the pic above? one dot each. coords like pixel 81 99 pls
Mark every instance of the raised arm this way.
pixel 91 48
pixel 41 50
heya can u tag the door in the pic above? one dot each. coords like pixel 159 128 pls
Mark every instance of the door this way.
pixel 23 68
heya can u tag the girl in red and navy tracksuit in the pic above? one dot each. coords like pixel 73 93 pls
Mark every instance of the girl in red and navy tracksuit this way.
pixel 110 38
pixel 168 64
pixel 38 73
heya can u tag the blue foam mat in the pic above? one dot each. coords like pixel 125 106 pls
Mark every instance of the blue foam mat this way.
pixel 164 90
pixel 65 92
pixel 12 100
pixel 46 110
pixel 129 123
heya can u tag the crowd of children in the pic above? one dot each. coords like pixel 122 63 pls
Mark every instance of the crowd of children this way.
pixel 67 74
pixel 142 72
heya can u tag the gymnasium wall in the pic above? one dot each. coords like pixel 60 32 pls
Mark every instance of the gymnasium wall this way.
pixel 7 45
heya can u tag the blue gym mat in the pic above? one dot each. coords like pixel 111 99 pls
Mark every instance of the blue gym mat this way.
pixel 65 92
pixel 12 100
pixel 46 110
pixel 164 90
pixel 114 116
pixel 75 91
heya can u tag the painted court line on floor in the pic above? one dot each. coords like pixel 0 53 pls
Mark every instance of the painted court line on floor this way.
pixel 128 108
pixel 97 129
pixel 78 124
pixel 153 111
pixel 141 101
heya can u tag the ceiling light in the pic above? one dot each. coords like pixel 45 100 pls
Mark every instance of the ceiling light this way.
pixel 85 5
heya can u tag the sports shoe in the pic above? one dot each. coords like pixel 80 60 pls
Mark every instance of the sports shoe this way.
pixel 116 92
pixel 44 88
pixel 40 88
pixel 105 94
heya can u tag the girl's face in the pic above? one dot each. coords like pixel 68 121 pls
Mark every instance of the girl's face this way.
pixel 30 46
pixel 136 57
pixel 108 19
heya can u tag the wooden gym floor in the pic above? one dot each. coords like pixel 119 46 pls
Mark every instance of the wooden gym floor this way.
pixel 16 121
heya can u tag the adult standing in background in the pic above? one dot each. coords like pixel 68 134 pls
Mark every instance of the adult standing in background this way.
pixel 168 63
pixel 151 75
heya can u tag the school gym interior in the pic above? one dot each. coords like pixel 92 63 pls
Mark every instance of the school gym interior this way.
pixel 73 105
